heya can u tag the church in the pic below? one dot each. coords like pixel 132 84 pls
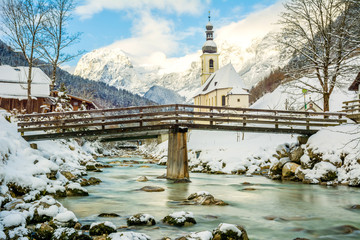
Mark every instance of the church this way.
pixel 219 87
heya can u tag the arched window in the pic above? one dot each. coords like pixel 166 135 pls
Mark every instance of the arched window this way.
pixel 211 63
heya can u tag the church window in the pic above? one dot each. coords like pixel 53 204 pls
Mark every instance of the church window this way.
pixel 211 63
pixel 238 99
pixel 223 100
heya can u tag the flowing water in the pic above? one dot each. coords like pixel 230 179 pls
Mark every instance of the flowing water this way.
pixel 274 210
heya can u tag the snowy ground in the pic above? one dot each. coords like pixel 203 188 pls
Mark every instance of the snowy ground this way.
pixel 30 178
pixel 333 148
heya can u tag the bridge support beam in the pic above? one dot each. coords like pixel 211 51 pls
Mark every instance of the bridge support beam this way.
pixel 177 163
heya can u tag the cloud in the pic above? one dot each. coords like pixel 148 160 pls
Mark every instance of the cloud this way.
pixel 256 25
pixel 192 7
pixel 149 35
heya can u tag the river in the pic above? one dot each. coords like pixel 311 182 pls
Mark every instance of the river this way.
pixel 268 210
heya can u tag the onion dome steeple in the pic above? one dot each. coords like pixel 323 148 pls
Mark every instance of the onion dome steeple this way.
pixel 210 45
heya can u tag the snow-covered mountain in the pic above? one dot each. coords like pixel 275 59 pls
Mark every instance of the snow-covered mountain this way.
pixel 163 95
pixel 116 68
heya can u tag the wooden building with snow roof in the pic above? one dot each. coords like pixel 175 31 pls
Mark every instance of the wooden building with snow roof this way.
pixel 219 87
pixel 13 88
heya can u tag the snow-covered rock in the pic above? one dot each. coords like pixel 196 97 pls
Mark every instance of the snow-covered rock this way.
pixel 128 236
pixel 180 219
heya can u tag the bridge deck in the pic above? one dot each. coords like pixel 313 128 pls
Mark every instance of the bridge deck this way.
pixel 150 121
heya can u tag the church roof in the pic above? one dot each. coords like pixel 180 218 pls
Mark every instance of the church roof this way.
pixel 225 77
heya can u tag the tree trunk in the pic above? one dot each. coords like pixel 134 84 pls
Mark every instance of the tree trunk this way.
pixel 29 98
pixel 326 97
pixel 52 87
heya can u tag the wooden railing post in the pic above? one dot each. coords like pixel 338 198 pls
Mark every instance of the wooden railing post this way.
pixel 103 121
pixel 211 116
pixel 276 121
pixel 244 119
pixel 176 113
pixel 307 121
pixel 140 122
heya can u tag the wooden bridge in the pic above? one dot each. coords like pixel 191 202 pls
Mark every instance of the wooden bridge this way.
pixel 151 121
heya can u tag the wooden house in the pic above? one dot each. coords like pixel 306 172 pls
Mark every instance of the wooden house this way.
pixel 13 88
pixel 355 86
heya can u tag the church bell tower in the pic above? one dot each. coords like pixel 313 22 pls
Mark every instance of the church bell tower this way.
pixel 210 57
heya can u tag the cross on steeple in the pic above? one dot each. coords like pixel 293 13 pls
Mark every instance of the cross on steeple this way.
pixel 209 16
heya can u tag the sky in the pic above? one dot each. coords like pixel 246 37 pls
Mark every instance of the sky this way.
pixel 170 28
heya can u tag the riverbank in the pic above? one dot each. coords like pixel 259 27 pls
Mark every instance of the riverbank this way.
pixel 329 157
pixel 31 180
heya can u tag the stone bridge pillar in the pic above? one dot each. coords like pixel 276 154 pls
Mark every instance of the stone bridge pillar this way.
pixel 177 163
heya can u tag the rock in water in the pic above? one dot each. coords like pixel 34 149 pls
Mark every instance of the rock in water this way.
pixel 180 219
pixel 229 231
pixel 289 170
pixel 142 179
pixel 205 198
pixel 75 189
pixel 112 215
pixel 100 228
pixel 152 189
pixel 141 219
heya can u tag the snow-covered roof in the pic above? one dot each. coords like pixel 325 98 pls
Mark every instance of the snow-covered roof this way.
pixel 225 77
pixel 209 43
pixel 19 75
pixel 13 82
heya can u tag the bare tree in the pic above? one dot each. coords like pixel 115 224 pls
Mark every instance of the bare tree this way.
pixel 22 21
pixel 56 38
pixel 324 35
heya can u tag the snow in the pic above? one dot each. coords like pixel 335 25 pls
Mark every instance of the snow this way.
pixel 204 235
pixel 76 186
pixel 181 216
pixel 66 217
pixel 225 77
pixel 224 227
pixel 12 220
pixel 128 236
pixel 13 82
pixel 210 43
pixel 143 218
pixel 106 223
pixel 52 211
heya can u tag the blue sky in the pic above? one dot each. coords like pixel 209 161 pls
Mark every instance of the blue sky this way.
pixel 141 27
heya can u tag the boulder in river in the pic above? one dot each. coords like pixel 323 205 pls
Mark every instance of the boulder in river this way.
pixel 109 215
pixel 128 235
pixel 180 219
pixel 141 219
pixel 204 235
pixel 75 189
pixel 204 198
pixel 65 233
pixel 152 189
pixel 142 179
pixel 289 170
pixel 100 228
pixel 229 231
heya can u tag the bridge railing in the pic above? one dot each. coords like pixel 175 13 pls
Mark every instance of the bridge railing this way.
pixel 165 116
pixel 351 107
